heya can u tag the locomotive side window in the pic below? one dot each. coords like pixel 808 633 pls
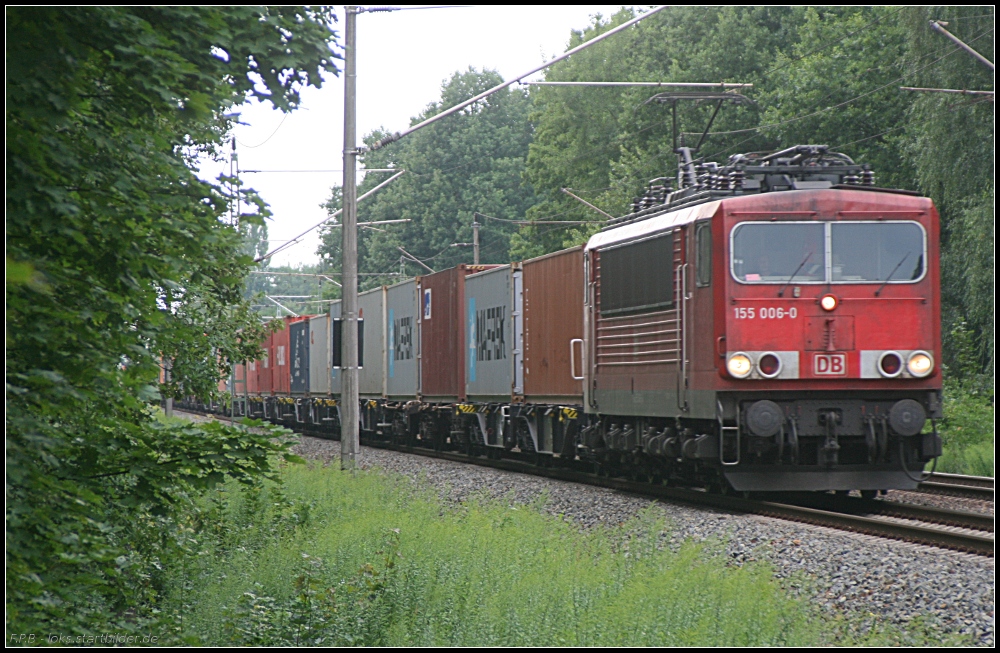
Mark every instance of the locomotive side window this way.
pixel 773 252
pixel 637 276
pixel 703 254
pixel 876 251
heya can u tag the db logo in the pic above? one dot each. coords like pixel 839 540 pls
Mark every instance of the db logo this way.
pixel 830 364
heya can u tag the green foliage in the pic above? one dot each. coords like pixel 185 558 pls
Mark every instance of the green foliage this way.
pixel 950 139
pixel 372 564
pixel 470 162
pixel 120 257
pixel 364 559
pixel 967 431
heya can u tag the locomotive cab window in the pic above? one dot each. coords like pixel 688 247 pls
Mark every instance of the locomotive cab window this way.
pixel 773 252
pixel 637 276
pixel 828 252
pixel 876 251
pixel 703 254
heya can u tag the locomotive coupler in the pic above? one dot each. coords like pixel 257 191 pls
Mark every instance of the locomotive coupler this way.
pixel 831 448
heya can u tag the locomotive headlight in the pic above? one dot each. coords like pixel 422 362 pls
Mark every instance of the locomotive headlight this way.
pixel 920 364
pixel 739 365
pixel 828 302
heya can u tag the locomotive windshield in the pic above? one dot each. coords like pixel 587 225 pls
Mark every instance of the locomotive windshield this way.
pixel 828 252
pixel 875 251
pixel 773 251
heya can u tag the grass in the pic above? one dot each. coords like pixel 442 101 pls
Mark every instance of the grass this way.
pixel 967 432
pixel 333 558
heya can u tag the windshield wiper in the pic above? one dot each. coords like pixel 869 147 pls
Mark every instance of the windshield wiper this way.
pixel 905 256
pixel 781 292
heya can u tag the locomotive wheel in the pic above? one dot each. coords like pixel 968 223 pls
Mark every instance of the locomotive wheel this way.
pixel 869 495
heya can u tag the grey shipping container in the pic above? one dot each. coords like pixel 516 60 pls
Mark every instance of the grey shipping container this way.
pixel 492 317
pixel 319 355
pixel 402 341
pixel 371 311
pixel 298 335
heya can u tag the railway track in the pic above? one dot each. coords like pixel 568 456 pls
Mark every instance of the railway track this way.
pixel 974 487
pixel 950 529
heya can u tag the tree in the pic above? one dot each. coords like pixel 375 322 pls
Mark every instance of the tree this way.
pixel 950 140
pixel 471 162
pixel 119 257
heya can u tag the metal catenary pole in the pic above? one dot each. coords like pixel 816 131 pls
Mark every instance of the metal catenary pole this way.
pixel 475 241
pixel 168 364
pixel 936 25
pixel 349 435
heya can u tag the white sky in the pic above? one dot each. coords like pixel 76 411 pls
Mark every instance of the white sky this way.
pixel 403 57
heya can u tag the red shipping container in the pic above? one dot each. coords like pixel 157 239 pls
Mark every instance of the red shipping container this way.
pixel 281 382
pixel 442 333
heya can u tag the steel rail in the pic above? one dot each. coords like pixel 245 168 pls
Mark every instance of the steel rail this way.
pixel 976 487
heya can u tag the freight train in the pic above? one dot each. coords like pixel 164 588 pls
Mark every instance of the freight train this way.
pixel 772 324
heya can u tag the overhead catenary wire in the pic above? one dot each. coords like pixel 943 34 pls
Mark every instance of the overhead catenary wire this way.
pixel 321 276
pixel 651 84
pixel 753 131
pixel 391 138
pixel 252 147
pixel 534 222
pixel 321 170
pixel 372 10
pixel 851 100
pixel 281 306
pixel 330 217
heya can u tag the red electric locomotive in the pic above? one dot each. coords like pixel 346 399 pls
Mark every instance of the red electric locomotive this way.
pixel 774 324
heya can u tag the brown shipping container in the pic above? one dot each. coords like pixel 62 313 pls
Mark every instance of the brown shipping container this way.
pixel 441 298
pixel 281 380
pixel 553 317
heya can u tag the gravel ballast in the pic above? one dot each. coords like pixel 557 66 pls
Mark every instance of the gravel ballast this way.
pixel 861 575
